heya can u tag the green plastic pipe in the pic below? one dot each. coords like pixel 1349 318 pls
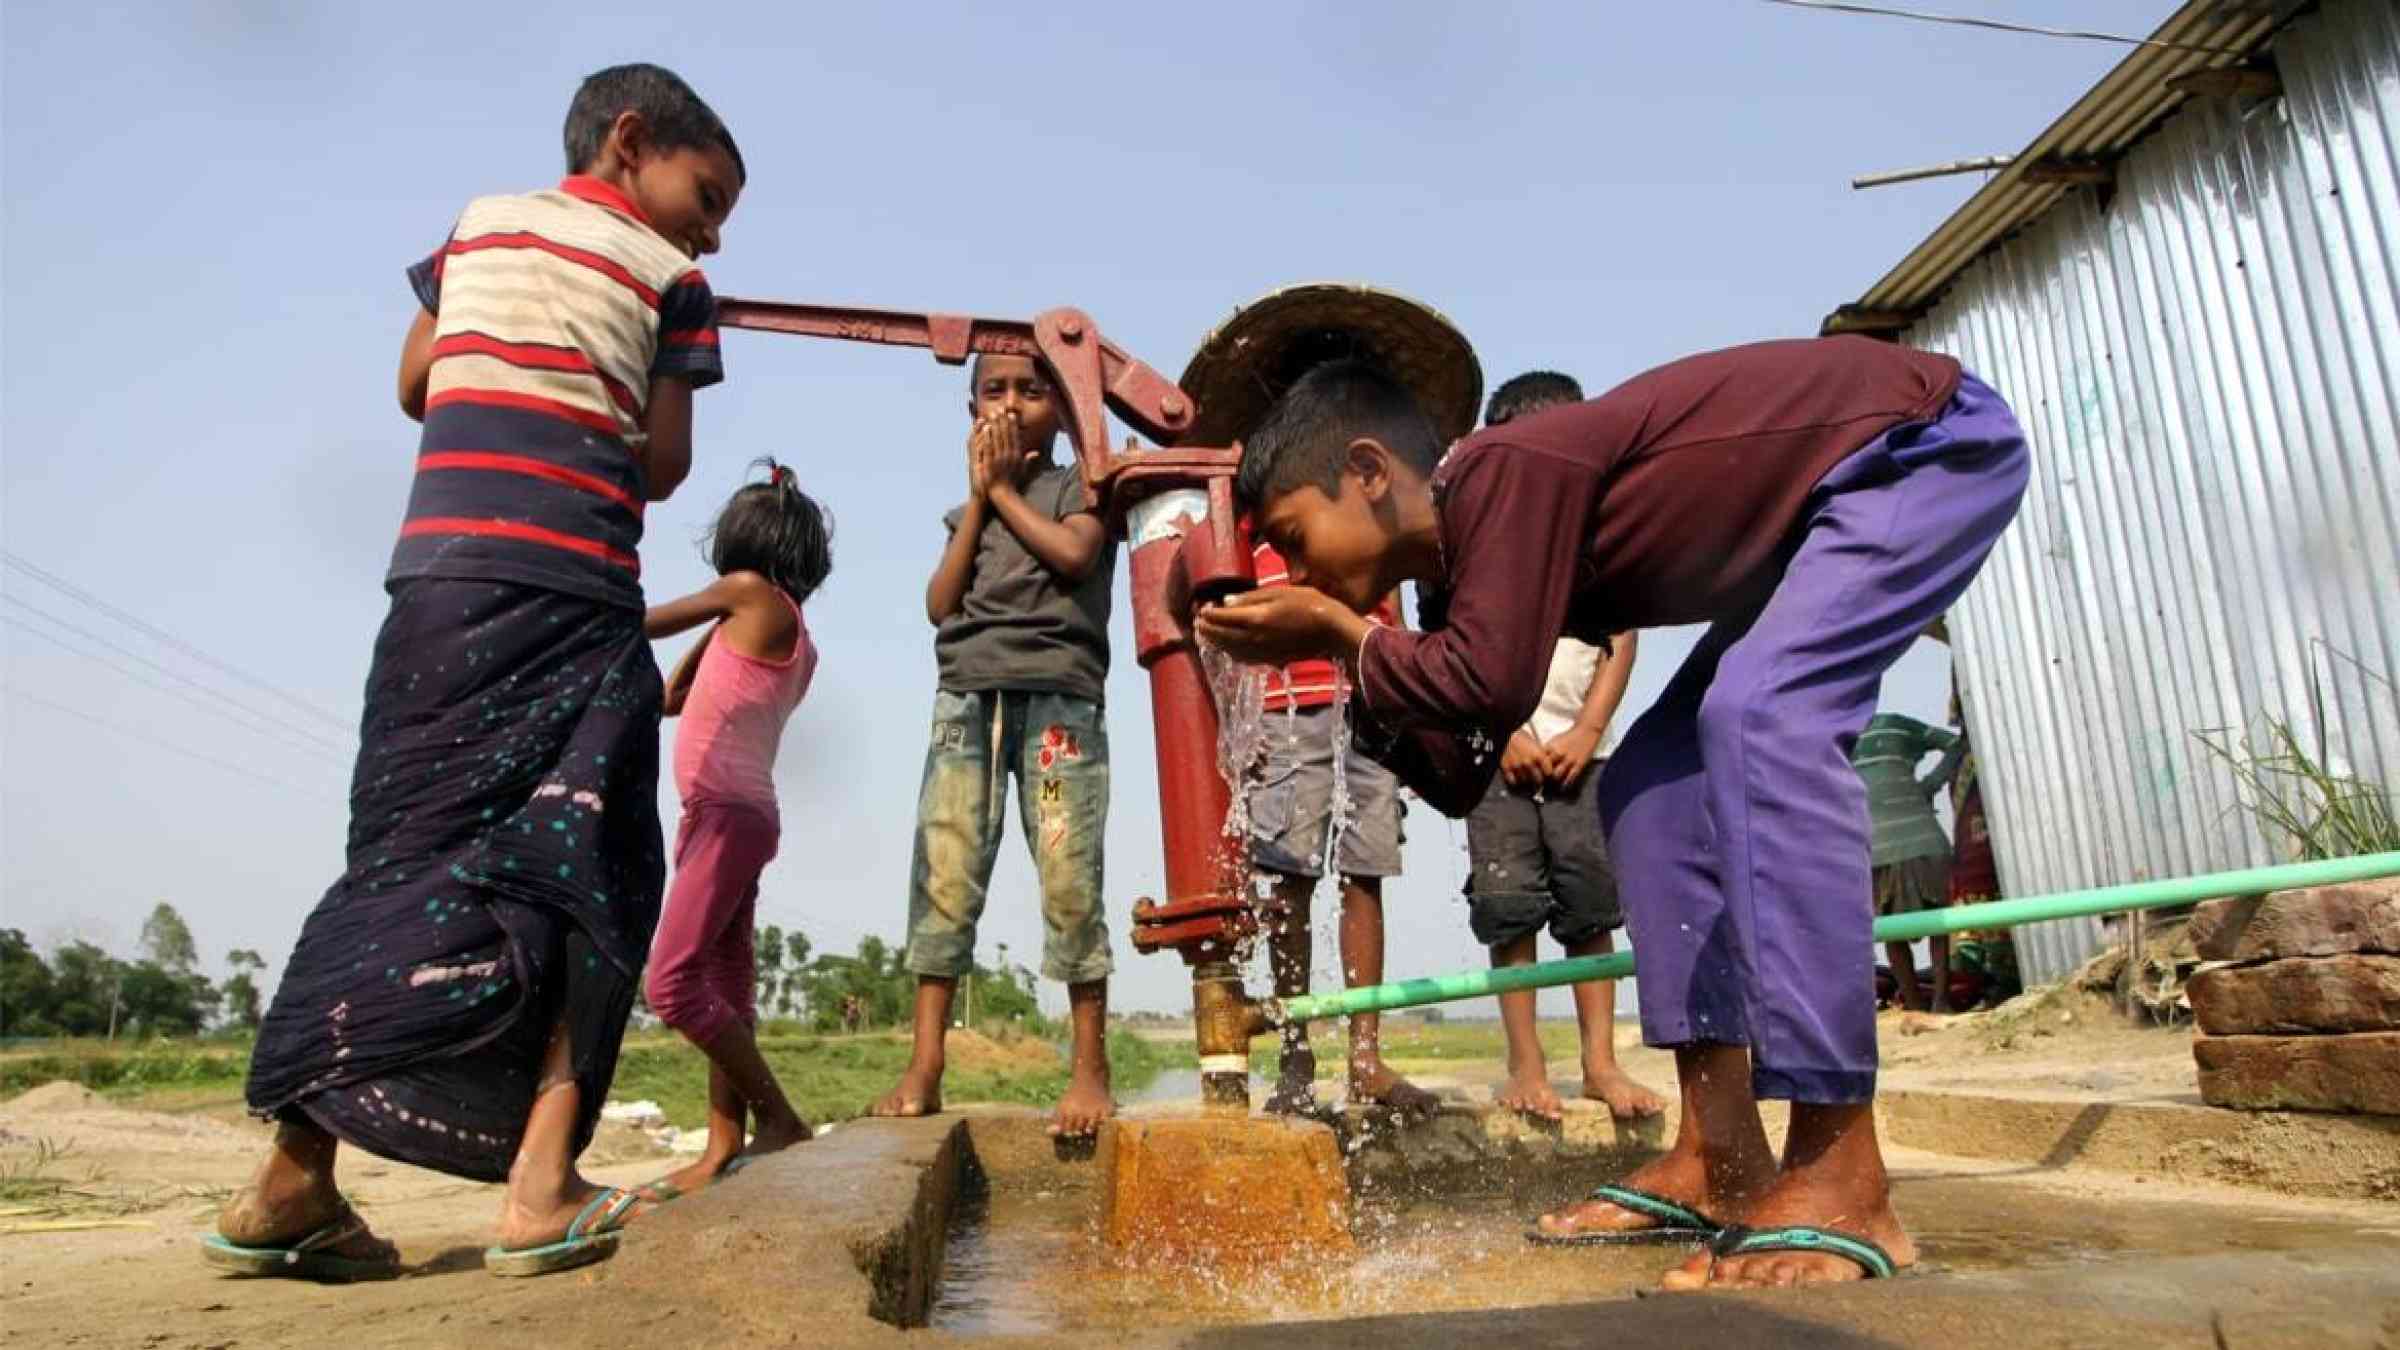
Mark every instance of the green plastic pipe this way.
pixel 1891 928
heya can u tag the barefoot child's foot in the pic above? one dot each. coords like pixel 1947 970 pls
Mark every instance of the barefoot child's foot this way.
pixel 1295 1092
pixel 919 1093
pixel 1625 1098
pixel 1086 1104
pixel 1531 1095
pixel 1382 1087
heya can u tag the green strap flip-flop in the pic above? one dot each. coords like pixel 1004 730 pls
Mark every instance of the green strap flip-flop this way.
pixel 591 1237
pixel 1869 1257
pixel 1677 1222
pixel 310 1258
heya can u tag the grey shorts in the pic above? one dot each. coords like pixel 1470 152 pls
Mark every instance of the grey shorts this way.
pixel 1291 803
pixel 1540 862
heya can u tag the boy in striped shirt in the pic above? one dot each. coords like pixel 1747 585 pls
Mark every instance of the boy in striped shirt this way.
pixel 457 998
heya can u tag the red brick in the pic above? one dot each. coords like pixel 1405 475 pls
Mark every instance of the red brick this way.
pixel 2320 993
pixel 2357 1072
pixel 2360 916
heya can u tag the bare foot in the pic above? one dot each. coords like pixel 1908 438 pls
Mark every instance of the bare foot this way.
pixel 1295 1091
pixel 1382 1087
pixel 1810 1196
pixel 702 1173
pixel 1626 1099
pixel 774 1136
pixel 524 1224
pixel 1531 1094
pixel 1679 1176
pixel 1086 1104
pixel 919 1093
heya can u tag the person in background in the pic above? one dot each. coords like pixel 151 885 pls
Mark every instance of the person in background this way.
pixel 1297 833
pixel 1975 872
pixel 1535 849
pixel 1907 849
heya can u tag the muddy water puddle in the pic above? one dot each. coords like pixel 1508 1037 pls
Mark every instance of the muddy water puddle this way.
pixel 1029 1263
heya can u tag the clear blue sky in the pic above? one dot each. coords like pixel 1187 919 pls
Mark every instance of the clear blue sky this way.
pixel 208 207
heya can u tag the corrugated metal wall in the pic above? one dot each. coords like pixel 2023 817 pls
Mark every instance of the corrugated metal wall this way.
pixel 2210 372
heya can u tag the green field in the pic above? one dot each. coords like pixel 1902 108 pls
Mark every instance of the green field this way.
pixel 828 1077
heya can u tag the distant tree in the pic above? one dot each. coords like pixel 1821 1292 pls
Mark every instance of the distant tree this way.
pixel 28 995
pixel 159 1002
pixel 766 948
pixel 792 997
pixel 85 983
pixel 167 941
pixel 240 990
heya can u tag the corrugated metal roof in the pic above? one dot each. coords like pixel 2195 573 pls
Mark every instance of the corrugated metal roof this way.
pixel 2208 367
pixel 2125 106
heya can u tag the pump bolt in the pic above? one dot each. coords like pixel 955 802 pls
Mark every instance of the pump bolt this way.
pixel 1071 329
pixel 1171 407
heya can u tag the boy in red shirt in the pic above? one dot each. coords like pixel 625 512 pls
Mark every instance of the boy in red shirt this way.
pixel 1296 828
pixel 1818 503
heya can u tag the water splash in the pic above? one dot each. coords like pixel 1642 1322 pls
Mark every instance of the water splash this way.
pixel 1240 691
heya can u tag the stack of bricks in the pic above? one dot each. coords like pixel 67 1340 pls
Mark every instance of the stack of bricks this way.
pixel 2308 1016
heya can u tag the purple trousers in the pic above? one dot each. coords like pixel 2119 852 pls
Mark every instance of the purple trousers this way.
pixel 1738 827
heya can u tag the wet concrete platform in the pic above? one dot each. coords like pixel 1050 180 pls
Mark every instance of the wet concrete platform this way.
pixel 982 1224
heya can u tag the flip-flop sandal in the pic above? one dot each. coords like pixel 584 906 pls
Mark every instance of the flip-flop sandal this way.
pixel 659 1192
pixel 1678 1223
pixel 1862 1252
pixel 591 1237
pixel 307 1259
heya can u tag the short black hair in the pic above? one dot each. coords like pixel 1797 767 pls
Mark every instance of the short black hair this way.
pixel 678 118
pixel 776 530
pixel 1304 439
pixel 1530 393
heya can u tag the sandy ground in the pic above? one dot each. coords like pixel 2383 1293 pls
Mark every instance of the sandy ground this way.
pixel 112 1260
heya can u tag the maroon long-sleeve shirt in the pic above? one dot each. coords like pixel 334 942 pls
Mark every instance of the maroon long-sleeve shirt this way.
pixel 1674 498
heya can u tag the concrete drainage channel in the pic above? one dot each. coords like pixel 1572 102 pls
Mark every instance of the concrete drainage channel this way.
pixel 981 1225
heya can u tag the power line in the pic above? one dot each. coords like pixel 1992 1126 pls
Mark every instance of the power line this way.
pixel 1999 25
pixel 263 725
pixel 122 730
pixel 58 583
pixel 315 741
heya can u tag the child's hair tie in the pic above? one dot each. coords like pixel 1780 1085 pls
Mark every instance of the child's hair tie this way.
pixel 782 477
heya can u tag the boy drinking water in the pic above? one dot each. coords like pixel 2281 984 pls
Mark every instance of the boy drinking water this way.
pixel 1535 850
pixel 1020 604
pixel 1818 503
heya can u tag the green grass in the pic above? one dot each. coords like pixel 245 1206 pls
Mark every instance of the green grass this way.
pixel 838 1077
pixel 1406 1041
pixel 828 1077
pixel 127 1070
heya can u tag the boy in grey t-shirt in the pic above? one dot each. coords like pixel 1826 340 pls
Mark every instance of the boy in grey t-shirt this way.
pixel 1020 603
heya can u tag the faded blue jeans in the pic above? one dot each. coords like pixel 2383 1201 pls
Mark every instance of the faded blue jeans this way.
pixel 1057 747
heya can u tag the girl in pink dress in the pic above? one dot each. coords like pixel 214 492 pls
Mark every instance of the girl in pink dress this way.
pixel 735 690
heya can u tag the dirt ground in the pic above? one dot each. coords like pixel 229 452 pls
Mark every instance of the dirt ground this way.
pixel 102 1253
